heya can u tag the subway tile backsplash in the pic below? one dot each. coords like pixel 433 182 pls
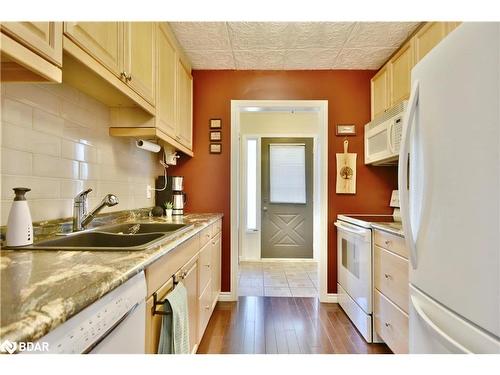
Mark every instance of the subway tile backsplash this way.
pixel 55 141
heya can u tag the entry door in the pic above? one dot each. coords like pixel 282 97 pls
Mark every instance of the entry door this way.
pixel 287 198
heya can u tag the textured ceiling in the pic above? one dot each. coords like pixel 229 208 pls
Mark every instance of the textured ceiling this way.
pixel 290 45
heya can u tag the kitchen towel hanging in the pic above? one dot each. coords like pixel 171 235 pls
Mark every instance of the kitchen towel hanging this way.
pixel 346 171
pixel 174 336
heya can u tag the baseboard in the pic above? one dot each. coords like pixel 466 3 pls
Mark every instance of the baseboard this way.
pixel 291 260
pixel 226 297
pixel 329 298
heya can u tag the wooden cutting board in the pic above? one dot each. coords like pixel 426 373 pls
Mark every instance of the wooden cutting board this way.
pixel 346 171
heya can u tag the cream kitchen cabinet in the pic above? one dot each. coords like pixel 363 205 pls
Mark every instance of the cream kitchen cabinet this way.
pixel 428 37
pixel 165 102
pixel 392 82
pixel 209 273
pixel 216 267
pixel 101 40
pixel 172 122
pixel 400 67
pixel 140 58
pixel 193 263
pixel 31 51
pixel 390 295
pixel 380 92
pixel 126 49
pixel 184 130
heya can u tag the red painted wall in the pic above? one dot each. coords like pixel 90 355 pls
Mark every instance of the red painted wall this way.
pixel 207 176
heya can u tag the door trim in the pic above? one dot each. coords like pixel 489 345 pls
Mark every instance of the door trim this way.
pixel 321 148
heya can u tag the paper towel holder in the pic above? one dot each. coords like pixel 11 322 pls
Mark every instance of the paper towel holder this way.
pixel 147 145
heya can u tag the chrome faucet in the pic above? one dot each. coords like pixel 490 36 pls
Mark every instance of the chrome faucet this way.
pixel 80 217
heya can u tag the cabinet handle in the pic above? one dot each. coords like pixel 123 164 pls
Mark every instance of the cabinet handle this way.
pixel 387 242
pixel 388 325
pixel 128 78
pixel 207 265
pixel 123 75
pixel 387 276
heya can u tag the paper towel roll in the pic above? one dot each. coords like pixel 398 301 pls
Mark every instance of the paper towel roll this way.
pixel 148 146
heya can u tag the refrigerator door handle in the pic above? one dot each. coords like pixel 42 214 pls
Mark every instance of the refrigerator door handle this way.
pixel 403 173
pixel 446 340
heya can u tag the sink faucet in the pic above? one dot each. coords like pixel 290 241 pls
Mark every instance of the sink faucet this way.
pixel 80 217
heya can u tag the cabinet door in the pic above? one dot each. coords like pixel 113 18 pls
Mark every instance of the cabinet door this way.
pixel 43 37
pixel 450 26
pixel 153 321
pixel 428 37
pixel 191 283
pixel 380 92
pixel 216 260
pixel 102 40
pixel 400 74
pixel 139 57
pixel 165 101
pixel 184 106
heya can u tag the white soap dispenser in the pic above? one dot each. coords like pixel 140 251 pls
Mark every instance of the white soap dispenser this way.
pixel 19 224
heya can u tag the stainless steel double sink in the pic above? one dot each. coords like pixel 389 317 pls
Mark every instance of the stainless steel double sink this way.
pixel 117 237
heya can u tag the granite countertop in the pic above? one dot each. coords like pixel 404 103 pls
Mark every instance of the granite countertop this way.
pixel 393 228
pixel 42 289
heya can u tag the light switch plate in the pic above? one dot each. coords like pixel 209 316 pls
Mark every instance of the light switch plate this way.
pixel 148 191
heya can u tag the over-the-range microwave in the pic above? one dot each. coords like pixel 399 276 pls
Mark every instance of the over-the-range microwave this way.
pixel 383 136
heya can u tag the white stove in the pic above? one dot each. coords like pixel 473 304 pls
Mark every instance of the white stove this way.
pixel 355 267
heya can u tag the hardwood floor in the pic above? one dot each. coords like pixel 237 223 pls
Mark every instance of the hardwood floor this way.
pixel 281 325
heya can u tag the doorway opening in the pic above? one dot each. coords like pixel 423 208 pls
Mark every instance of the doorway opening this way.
pixel 278 180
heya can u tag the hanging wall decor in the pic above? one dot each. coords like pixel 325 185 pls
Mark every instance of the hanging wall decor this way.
pixel 346 171
pixel 215 123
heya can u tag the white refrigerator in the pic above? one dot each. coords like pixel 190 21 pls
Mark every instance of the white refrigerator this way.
pixel 449 183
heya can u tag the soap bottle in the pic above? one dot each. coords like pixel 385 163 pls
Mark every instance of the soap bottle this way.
pixel 19 224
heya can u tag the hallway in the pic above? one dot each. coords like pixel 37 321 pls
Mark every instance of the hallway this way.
pixel 278 279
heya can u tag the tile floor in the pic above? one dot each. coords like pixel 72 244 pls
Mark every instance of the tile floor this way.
pixel 279 279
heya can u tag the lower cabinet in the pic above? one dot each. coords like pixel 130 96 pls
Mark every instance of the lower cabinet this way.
pixel 391 323
pixel 190 281
pixel 153 321
pixel 216 267
pixel 390 296
pixel 199 271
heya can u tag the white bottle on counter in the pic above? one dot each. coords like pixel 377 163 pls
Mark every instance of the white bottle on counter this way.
pixel 19 224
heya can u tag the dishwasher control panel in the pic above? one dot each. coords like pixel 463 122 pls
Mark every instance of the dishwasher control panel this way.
pixel 86 329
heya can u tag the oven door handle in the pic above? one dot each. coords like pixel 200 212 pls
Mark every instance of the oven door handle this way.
pixel 359 232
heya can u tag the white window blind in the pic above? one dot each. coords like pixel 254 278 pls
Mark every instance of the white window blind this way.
pixel 287 173
pixel 252 184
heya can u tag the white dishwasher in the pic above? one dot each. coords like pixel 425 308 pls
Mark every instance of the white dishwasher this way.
pixel 114 324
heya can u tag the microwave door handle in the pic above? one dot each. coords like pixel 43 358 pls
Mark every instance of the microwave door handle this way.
pixel 389 137
pixel 403 173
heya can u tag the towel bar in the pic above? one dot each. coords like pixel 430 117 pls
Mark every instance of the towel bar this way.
pixel 162 302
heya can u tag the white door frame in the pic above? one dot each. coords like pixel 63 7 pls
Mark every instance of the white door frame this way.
pixel 322 146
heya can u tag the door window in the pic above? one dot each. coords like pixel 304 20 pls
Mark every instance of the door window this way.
pixel 251 184
pixel 287 173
